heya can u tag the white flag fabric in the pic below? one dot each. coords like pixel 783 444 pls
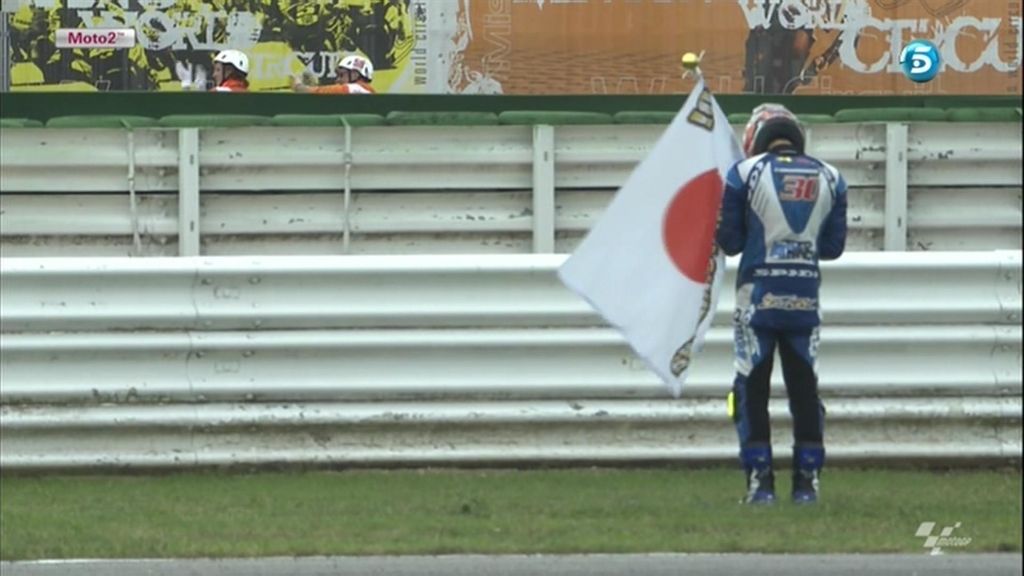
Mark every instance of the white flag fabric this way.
pixel 649 266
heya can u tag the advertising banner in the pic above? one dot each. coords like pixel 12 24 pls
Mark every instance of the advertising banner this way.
pixel 281 38
pixel 534 46
pixel 751 46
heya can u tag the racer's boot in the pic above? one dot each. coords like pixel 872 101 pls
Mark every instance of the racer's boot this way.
pixel 807 463
pixel 757 463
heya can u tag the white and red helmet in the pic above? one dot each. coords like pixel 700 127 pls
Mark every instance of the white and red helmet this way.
pixel 234 58
pixel 770 122
pixel 359 64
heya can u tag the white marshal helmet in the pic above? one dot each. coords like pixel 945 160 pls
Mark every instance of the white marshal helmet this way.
pixel 358 64
pixel 235 58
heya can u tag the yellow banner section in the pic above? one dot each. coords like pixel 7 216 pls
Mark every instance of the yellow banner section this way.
pixel 282 38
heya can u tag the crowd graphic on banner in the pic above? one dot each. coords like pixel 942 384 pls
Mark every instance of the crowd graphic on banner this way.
pixel 281 37
pixel 534 46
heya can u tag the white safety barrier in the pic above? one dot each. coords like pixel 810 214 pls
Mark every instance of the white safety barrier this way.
pixel 414 359
pixel 954 430
pixel 480 189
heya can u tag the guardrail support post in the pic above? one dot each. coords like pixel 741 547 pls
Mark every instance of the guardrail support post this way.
pixel 133 202
pixel 346 231
pixel 188 192
pixel 895 186
pixel 543 189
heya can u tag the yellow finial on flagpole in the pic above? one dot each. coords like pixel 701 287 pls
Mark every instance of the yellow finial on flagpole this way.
pixel 691 62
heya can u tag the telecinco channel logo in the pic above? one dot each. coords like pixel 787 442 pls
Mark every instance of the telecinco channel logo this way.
pixel 943 538
pixel 920 61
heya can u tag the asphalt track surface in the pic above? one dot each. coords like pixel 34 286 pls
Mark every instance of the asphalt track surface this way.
pixel 576 565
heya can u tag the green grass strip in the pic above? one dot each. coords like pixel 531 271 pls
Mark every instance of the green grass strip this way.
pixel 503 511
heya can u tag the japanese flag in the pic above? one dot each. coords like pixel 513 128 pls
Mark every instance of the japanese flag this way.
pixel 649 266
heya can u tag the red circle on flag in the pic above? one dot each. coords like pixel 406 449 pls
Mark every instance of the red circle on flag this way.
pixel 688 229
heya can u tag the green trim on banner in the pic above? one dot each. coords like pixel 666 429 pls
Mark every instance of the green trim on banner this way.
pixel 44 105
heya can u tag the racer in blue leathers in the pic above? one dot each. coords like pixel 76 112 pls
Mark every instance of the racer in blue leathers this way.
pixel 784 211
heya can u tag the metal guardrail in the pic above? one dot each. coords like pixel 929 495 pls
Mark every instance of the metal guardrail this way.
pixel 957 430
pixel 482 189
pixel 469 359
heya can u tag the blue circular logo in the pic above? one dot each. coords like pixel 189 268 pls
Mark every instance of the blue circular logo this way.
pixel 920 61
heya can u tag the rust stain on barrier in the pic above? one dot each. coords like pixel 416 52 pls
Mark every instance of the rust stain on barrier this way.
pixel 865 149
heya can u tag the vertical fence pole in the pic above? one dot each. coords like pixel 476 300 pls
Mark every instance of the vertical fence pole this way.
pixel 543 189
pixel 133 204
pixel 188 192
pixel 346 235
pixel 895 186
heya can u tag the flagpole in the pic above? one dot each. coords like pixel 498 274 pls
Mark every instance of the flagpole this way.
pixel 684 354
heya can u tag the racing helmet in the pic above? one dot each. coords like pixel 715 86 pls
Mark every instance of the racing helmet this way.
pixel 359 64
pixel 235 58
pixel 770 122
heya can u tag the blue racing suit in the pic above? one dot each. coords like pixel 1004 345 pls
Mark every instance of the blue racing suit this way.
pixel 784 211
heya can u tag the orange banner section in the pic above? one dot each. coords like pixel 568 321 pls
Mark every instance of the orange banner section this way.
pixel 763 46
